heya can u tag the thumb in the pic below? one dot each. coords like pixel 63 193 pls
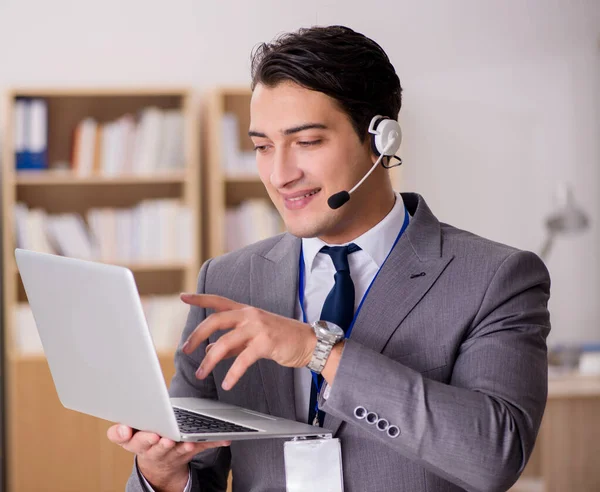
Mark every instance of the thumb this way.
pixel 119 434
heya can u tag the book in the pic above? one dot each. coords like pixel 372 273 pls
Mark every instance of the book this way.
pixel 85 147
pixel 154 142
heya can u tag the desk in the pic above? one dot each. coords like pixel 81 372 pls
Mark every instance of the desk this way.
pixel 567 454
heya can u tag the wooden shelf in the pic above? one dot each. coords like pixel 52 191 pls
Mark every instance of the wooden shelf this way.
pixel 49 178
pixel 83 458
pixel 242 178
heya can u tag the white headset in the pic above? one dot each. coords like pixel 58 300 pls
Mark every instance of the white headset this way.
pixel 385 142
pixel 387 135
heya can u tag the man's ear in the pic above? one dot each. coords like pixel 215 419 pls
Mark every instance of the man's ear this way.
pixel 368 148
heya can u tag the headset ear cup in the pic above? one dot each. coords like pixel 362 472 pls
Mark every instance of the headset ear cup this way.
pixel 389 137
pixel 386 135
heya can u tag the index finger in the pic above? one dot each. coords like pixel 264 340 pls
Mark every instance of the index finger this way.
pixel 211 301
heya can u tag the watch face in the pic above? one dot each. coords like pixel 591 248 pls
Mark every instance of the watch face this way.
pixel 328 328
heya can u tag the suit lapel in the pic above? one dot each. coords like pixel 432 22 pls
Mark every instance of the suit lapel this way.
pixel 401 284
pixel 411 269
pixel 274 287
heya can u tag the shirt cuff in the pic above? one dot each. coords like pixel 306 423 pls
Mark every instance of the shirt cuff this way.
pixel 326 391
pixel 188 485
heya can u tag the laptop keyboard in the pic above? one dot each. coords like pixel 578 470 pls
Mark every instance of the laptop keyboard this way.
pixel 192 423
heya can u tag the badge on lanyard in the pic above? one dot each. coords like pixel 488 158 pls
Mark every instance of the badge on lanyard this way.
pixel 313 464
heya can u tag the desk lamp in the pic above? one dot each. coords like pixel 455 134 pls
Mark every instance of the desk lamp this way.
pixel 568 219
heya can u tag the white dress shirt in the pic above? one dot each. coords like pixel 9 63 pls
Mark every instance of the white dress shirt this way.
pixel 375 245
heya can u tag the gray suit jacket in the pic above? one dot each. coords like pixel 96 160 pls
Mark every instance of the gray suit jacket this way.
pixel 450 346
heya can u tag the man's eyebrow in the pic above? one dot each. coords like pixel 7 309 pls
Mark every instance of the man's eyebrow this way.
pixel 306 126
pixel 290 131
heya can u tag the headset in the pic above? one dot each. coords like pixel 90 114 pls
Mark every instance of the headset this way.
pixel 386 136
pixel 385 142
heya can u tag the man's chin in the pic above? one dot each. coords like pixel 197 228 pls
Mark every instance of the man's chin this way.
pixel 306 230
pixel 302 231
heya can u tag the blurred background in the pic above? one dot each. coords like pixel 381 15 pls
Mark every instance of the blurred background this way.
pixel 119 116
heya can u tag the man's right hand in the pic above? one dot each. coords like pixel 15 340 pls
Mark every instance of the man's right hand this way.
pixel 162 462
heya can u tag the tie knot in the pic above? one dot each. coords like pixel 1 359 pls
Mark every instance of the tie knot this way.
pixel 339 255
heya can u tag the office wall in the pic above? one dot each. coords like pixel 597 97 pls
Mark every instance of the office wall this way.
pixel 502 98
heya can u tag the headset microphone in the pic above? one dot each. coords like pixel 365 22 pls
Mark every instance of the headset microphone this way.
pixel 387 137
pixel 337 200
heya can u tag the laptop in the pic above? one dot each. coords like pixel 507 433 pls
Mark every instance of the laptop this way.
pixel 103 362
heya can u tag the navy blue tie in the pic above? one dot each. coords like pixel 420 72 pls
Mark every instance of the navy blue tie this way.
pixel 338 307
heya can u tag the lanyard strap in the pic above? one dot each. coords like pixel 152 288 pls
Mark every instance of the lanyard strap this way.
pixel 349 331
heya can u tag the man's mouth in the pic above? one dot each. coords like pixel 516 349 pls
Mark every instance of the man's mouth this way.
pixel 300 199
pixel 306 195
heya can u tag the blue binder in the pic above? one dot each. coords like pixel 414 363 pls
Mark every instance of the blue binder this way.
pixel 31 134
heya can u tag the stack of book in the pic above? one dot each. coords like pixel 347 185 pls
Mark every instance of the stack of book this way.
pixel 151 144
pixel 153 231
pixel 253 220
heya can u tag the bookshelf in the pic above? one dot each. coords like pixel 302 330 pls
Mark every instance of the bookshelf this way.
pixel 48 447
pixel 227 188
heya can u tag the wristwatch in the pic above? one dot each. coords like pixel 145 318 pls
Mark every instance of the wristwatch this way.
pixel 328 334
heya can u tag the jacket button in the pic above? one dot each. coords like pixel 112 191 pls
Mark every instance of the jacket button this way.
pixel 393 431
pixel 360 412
pixel 382 425
pixel 372 417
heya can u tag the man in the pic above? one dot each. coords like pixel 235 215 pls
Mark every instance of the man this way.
pixel 446 352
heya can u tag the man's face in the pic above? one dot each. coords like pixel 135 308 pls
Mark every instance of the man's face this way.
pixel 307 150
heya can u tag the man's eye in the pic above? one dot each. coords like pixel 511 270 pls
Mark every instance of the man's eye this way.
pixel 308 143
pixel 261 148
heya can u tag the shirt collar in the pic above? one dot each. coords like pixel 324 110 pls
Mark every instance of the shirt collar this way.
pixel 376 242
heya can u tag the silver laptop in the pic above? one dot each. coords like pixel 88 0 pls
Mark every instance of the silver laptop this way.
pixel 94 333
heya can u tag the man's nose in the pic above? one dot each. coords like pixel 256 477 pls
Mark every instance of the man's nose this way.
pixel 285 169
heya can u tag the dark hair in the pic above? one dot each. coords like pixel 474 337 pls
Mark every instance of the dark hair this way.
pixel 337 61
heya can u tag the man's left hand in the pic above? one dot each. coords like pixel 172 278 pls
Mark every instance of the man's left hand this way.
pixel 255 334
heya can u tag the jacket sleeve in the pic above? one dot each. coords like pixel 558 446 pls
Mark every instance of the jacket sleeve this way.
pixel 478 431
pixel 209 469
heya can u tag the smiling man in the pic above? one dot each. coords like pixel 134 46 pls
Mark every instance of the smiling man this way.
pixel 426 343
pixel 302 165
